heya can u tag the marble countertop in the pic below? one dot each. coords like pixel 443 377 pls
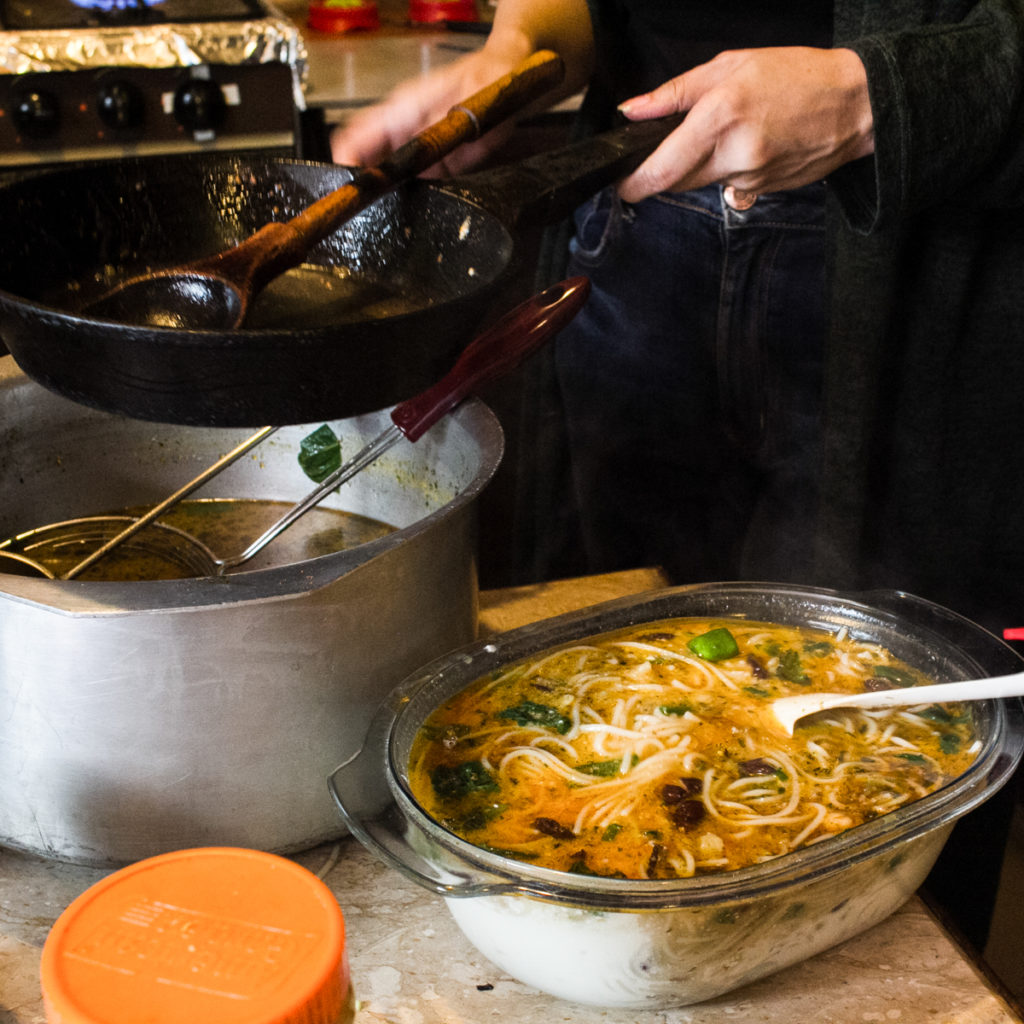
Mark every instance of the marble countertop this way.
pixel 411 965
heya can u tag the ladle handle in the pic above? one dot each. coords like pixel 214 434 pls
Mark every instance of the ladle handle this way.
pixel 990 688
pixel 278 246
pixel 465 122
pixel 493 353
pixel 789 710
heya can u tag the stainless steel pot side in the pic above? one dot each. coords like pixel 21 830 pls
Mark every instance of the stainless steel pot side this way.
pixel 147 716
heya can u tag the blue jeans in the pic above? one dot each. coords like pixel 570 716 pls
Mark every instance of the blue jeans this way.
pixel 691 383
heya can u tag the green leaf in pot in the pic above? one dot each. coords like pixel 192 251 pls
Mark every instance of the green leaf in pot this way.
pixel 320 453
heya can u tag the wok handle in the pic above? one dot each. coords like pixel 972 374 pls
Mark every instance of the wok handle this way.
pixel 280 245
pixel 543 189
pixel 493 353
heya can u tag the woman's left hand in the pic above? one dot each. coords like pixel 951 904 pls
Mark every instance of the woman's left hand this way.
pixel 759 120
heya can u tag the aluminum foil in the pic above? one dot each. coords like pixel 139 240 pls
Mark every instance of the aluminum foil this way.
pixel 268 40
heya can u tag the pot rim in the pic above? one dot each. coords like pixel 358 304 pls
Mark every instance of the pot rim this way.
pixel 108 598
pixel 454 867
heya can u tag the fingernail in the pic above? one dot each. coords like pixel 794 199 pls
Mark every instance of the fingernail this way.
pixel 627 107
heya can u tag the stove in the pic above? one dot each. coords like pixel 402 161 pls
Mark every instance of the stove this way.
pixel 103 79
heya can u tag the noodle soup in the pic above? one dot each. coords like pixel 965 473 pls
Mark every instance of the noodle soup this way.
pixel 648 753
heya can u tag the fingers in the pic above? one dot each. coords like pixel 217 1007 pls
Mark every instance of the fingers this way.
pixel 669 98
pixel 375 132
pixel 359 143
pixel 757 120
pixel 673 167
pixel 683 160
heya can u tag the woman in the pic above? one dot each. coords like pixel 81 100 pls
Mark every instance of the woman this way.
pixel 799 360
pixel 835 401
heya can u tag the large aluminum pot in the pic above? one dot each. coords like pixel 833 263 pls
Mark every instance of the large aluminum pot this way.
pixel 146 716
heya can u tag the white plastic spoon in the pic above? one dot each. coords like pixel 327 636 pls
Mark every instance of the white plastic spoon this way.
pixel 788 710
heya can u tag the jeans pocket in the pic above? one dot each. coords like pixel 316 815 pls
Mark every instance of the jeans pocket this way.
pixel 598 224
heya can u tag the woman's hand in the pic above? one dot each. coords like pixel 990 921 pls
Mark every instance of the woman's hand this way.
pixel 520 28
pixel 759 120
pixel 375 132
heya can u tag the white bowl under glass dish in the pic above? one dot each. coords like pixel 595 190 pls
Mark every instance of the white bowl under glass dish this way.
pixel 663 943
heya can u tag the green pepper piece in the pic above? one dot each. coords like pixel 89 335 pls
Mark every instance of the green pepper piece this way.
pixel 715 645
pixel 320 453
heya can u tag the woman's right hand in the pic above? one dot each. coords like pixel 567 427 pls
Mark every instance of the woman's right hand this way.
pixel 377 131
pixel 520 28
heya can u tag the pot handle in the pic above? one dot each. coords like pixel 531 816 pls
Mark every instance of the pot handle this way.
pixel 360 789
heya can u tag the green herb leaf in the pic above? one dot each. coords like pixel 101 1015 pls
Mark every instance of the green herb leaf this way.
pixel 715 645
pixel 453 782
pixel 675 709
pixel 936 713
pixel 895 675
pixel 604 769
pixel 912 758
pixel 475 819
pixel 611 832
pixel 949 743
pixel 530 713
pixel 817 647
pixel 790 668
pixel 320 453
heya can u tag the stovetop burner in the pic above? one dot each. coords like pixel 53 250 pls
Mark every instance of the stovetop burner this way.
pixel 79 14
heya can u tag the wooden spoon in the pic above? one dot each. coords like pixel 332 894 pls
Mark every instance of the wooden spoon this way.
pixel 788 710
pixel 214 293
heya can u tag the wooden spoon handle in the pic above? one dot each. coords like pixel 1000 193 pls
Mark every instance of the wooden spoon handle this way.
pixel 278 246
pixel 465 121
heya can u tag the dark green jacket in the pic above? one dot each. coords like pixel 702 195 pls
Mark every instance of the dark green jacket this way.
pixel 923 481
pixel 924 443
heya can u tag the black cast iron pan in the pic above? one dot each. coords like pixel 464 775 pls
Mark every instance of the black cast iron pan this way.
pixel 378 311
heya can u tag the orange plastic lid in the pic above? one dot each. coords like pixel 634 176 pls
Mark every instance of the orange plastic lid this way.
pixel 217 934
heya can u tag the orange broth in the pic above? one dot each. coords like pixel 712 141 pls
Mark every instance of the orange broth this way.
pixel 631 755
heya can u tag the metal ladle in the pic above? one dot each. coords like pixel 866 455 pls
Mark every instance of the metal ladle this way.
pixel 490 355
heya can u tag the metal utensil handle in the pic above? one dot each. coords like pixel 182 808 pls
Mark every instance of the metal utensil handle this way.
pixel 494 352
pixel 369 453
pixel 169 502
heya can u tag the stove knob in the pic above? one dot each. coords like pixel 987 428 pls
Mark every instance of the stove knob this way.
pixel 36 114
pixel 199 105
pixel 120 105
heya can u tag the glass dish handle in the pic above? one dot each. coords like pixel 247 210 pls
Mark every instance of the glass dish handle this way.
pixel 368 807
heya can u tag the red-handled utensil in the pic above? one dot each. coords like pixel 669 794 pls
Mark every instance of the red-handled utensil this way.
pixel 493 353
